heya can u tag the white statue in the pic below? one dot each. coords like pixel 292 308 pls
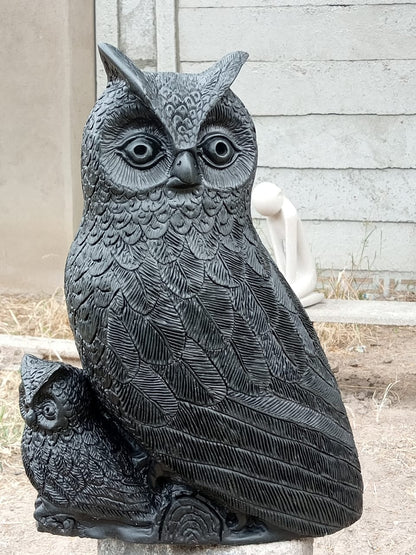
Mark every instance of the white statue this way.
pixel 291 251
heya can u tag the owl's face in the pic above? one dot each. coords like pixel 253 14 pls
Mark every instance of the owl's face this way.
pixel 180 133
pixel 46 412
pixel 52 397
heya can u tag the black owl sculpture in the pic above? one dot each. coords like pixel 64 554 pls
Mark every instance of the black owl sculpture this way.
pixel 215 400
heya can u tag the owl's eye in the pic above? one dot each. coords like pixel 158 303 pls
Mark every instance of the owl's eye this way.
pixel 218 151
pixel 49 410
pixel 141 152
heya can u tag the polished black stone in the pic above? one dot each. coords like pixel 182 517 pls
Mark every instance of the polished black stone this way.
pixel 205 411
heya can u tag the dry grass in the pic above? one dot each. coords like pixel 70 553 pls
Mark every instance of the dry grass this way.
pixel 24 315
pixel 11 423
pixel 349 337
pixel 406 296
pixel 337 336
pixel 344 285
pixel 37 316
pixel 386 399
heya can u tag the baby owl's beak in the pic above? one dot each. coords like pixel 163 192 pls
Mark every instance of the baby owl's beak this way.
pixel 30 417
pixel 184 173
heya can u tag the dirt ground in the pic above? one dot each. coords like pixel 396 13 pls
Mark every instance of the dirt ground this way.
pixel 378 382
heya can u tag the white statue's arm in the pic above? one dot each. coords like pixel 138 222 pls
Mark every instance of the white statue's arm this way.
pixel 290 248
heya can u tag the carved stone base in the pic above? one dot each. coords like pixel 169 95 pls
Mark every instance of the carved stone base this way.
pixel 295 547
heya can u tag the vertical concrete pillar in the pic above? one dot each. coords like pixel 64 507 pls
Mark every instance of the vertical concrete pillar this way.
pixel 48 69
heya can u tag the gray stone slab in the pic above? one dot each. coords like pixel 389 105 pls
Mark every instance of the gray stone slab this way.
pixel 332 141
pixel 387 313
pixel 273 33
pixel 328 87
pixel 327 194
pixel 116 547
pixel 13 347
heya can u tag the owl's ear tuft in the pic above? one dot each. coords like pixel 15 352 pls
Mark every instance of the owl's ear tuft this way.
pixel 37 372
pixel 222 74
pixel 118 66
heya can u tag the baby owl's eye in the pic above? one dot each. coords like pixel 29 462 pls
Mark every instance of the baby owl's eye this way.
pixel 218 151
pixel 141 152
pixel 49 410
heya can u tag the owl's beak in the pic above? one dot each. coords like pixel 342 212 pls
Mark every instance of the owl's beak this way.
pixel 30 417
pixel 184 174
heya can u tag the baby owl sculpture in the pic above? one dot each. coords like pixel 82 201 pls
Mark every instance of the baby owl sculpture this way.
pixel 194 345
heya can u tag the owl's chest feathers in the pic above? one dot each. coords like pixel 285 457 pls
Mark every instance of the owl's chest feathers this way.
pixel 155 263
pixel 164 230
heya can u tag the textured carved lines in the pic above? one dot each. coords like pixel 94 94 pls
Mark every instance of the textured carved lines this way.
pixel 103 293
pixel 251 311
pixel 269 471
pixel 200 365
pixel 86 322
pixel 180 223
pixel 236 406
pixel 167 249
pixel 224 223
pixel 140 332
pixel 312 380
pixel 99 265
pixel 304 416
pixel 269 294
pixel 145 399
pixel 174 277
pixel 194 268
pixel 203 247
pixel 278 363
pixel 155 229
pixel 232 370
pixel 133 287
pixel 189 385
pixel 233 261
pixel 204 223
pixel 132 235
pixel 217 303
pixel 283 440
pixel 285 507
pixel 192 211
pixel 287 335
pixel 218 272
pixel 165 319
pixel 249 353
pixel 192 522
pixel 256 261
pixel 154 388
pixel 302 395
pixel 211 204
pixel 200 325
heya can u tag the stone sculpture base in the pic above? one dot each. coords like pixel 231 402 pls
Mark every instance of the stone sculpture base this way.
pixel 295 547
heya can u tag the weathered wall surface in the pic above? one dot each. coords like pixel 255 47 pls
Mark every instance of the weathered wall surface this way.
pixel 331 86
pixel 332 91
pixel 47 64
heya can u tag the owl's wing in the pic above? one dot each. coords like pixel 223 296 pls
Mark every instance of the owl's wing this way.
pixel 251 411
pixel 213 366
pixel 92 473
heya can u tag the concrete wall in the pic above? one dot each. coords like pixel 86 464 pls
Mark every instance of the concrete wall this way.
pixel 48 88
pixel 331 86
